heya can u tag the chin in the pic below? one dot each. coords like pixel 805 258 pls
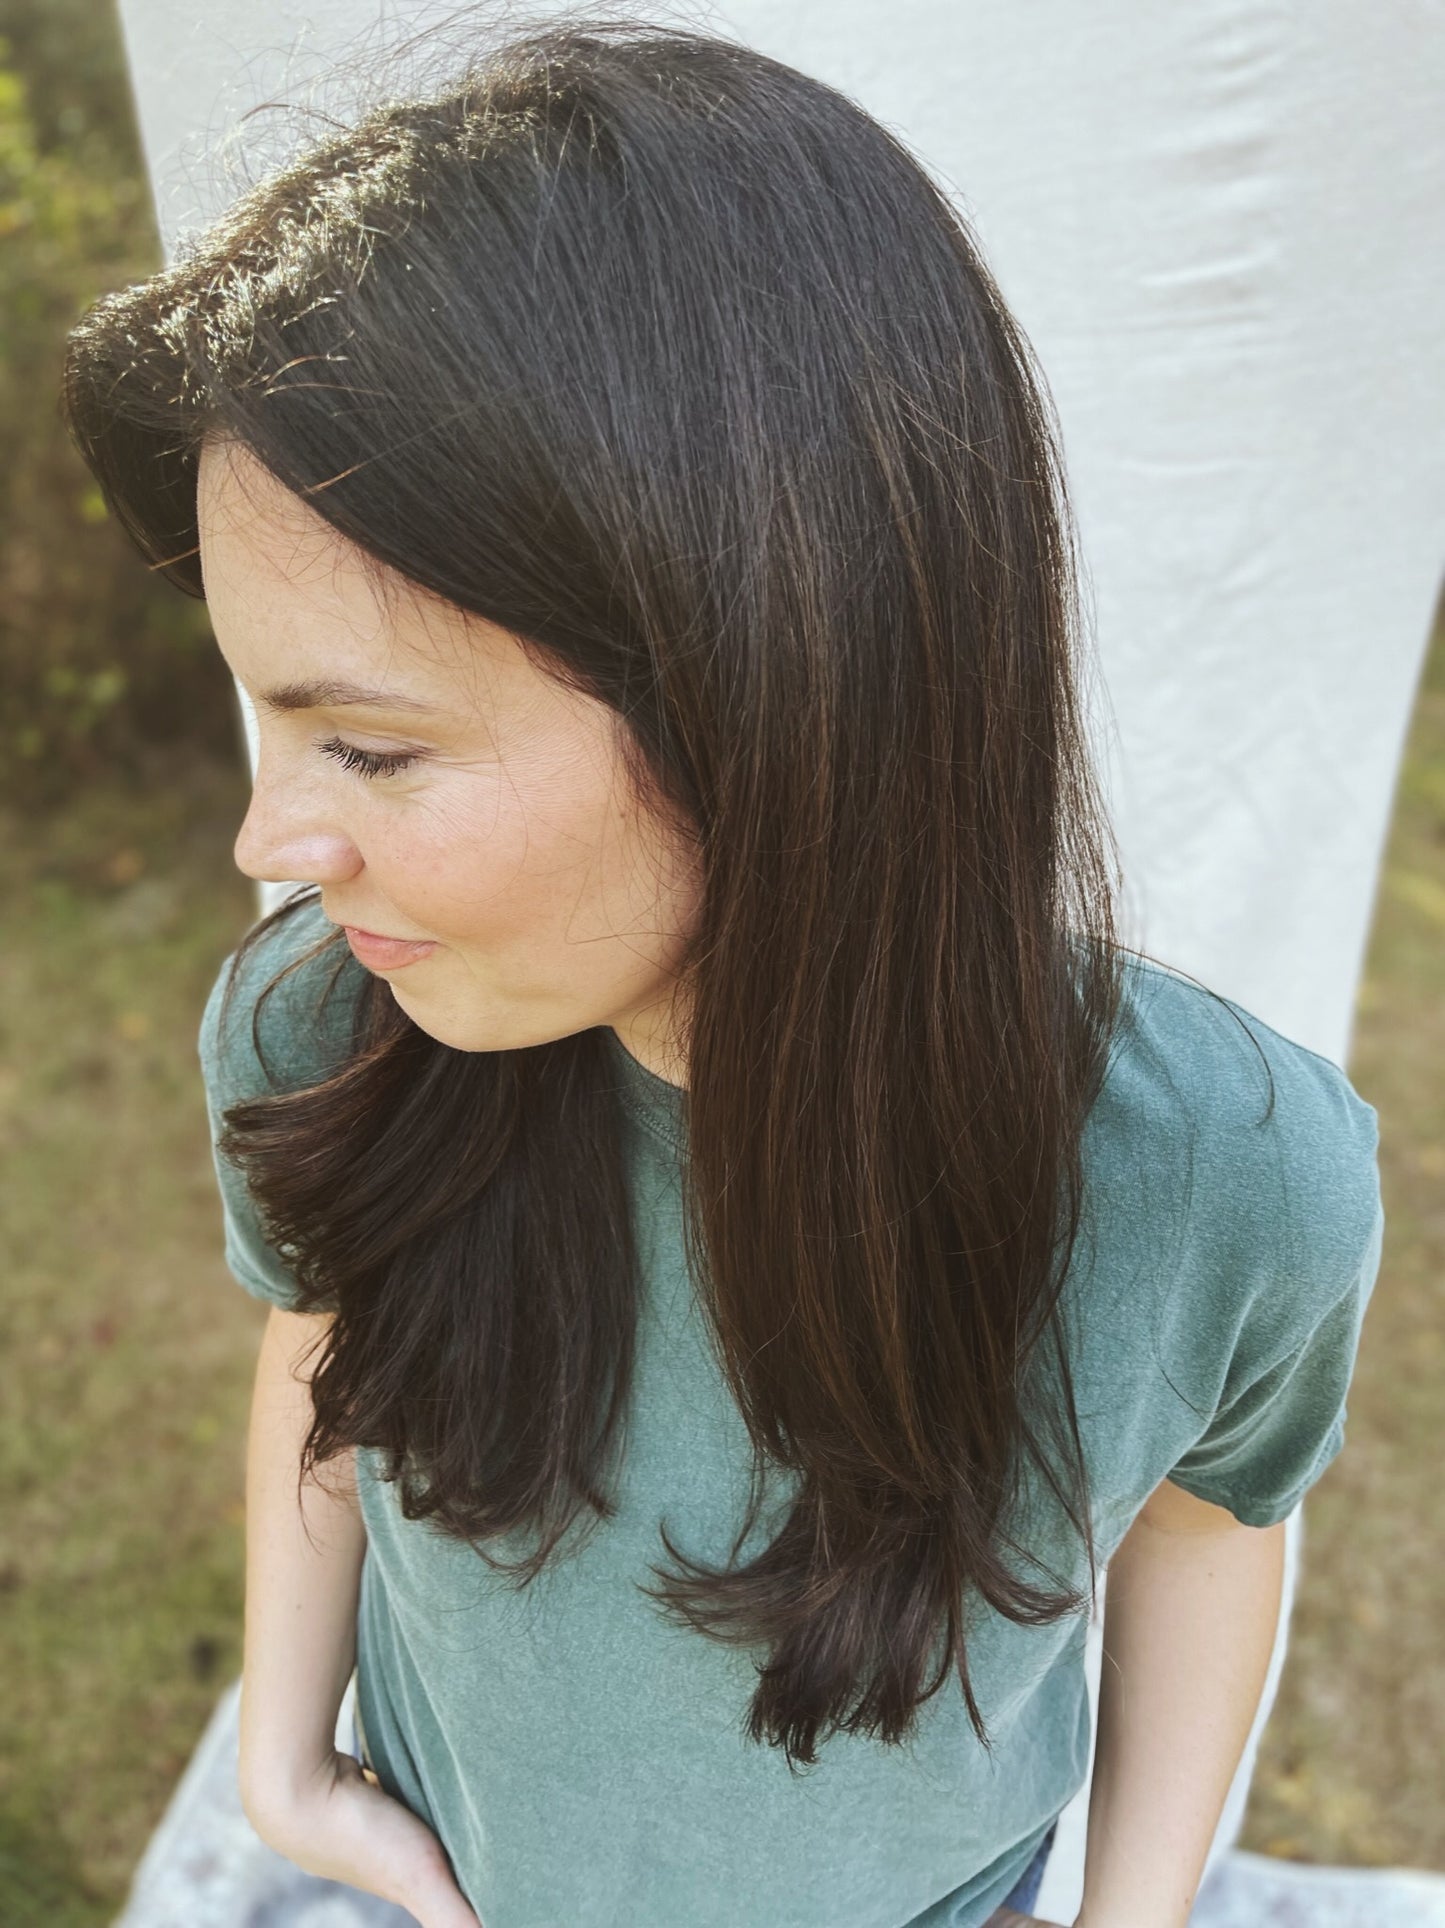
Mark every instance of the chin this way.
pixel 457 1037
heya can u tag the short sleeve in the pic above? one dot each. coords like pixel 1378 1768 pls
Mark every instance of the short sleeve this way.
pixel 231 1072
pixel 1281 1423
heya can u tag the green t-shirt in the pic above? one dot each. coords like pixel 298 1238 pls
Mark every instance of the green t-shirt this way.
pixel 581 1758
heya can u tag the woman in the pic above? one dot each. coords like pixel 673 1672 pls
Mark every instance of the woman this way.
pixel 750 1238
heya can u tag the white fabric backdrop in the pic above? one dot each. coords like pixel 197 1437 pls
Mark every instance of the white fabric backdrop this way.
pixel 1220 225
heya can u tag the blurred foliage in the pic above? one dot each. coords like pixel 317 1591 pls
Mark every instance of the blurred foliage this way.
pixel 100 661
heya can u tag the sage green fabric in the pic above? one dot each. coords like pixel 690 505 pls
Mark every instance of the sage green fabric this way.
pixel 582 1759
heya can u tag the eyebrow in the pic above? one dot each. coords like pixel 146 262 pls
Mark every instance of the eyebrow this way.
pixel 337 694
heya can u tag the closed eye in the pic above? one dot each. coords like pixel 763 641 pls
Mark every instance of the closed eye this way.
pixel 368 763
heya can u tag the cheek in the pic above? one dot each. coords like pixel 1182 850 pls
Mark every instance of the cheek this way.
pixel 488 860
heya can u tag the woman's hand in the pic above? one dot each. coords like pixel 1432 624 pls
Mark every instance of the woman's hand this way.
pixel 1011 1918
pixel 343 1826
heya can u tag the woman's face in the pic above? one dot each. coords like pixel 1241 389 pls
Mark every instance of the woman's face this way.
pixel 505 834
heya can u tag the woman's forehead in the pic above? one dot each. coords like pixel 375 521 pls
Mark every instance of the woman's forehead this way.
pixel 269 557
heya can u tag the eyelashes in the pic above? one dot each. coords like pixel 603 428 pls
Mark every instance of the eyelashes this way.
pixel 368 763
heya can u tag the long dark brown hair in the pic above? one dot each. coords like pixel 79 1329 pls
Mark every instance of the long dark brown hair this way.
pixel 675 364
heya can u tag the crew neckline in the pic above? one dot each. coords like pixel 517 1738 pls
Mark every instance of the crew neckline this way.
pixel 653 1100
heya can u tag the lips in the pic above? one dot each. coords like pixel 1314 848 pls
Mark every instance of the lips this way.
pixel 384 953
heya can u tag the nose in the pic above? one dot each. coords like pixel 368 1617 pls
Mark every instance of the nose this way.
pixel 288 837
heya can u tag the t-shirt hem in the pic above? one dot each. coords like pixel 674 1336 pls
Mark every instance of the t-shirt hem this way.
pixel 1249 1512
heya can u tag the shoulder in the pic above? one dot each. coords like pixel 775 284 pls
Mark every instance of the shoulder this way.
pixel 1259 1149
pixel 279 1012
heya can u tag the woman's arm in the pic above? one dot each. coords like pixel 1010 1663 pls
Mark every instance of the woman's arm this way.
pixel 1191 1608
pixel 301 1598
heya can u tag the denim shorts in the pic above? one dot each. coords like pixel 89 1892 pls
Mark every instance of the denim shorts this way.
pixel 358 1742
pixel 1025 1891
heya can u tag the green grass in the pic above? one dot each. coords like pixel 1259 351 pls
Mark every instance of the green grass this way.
pixel 126 1353
pixel 127 1347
